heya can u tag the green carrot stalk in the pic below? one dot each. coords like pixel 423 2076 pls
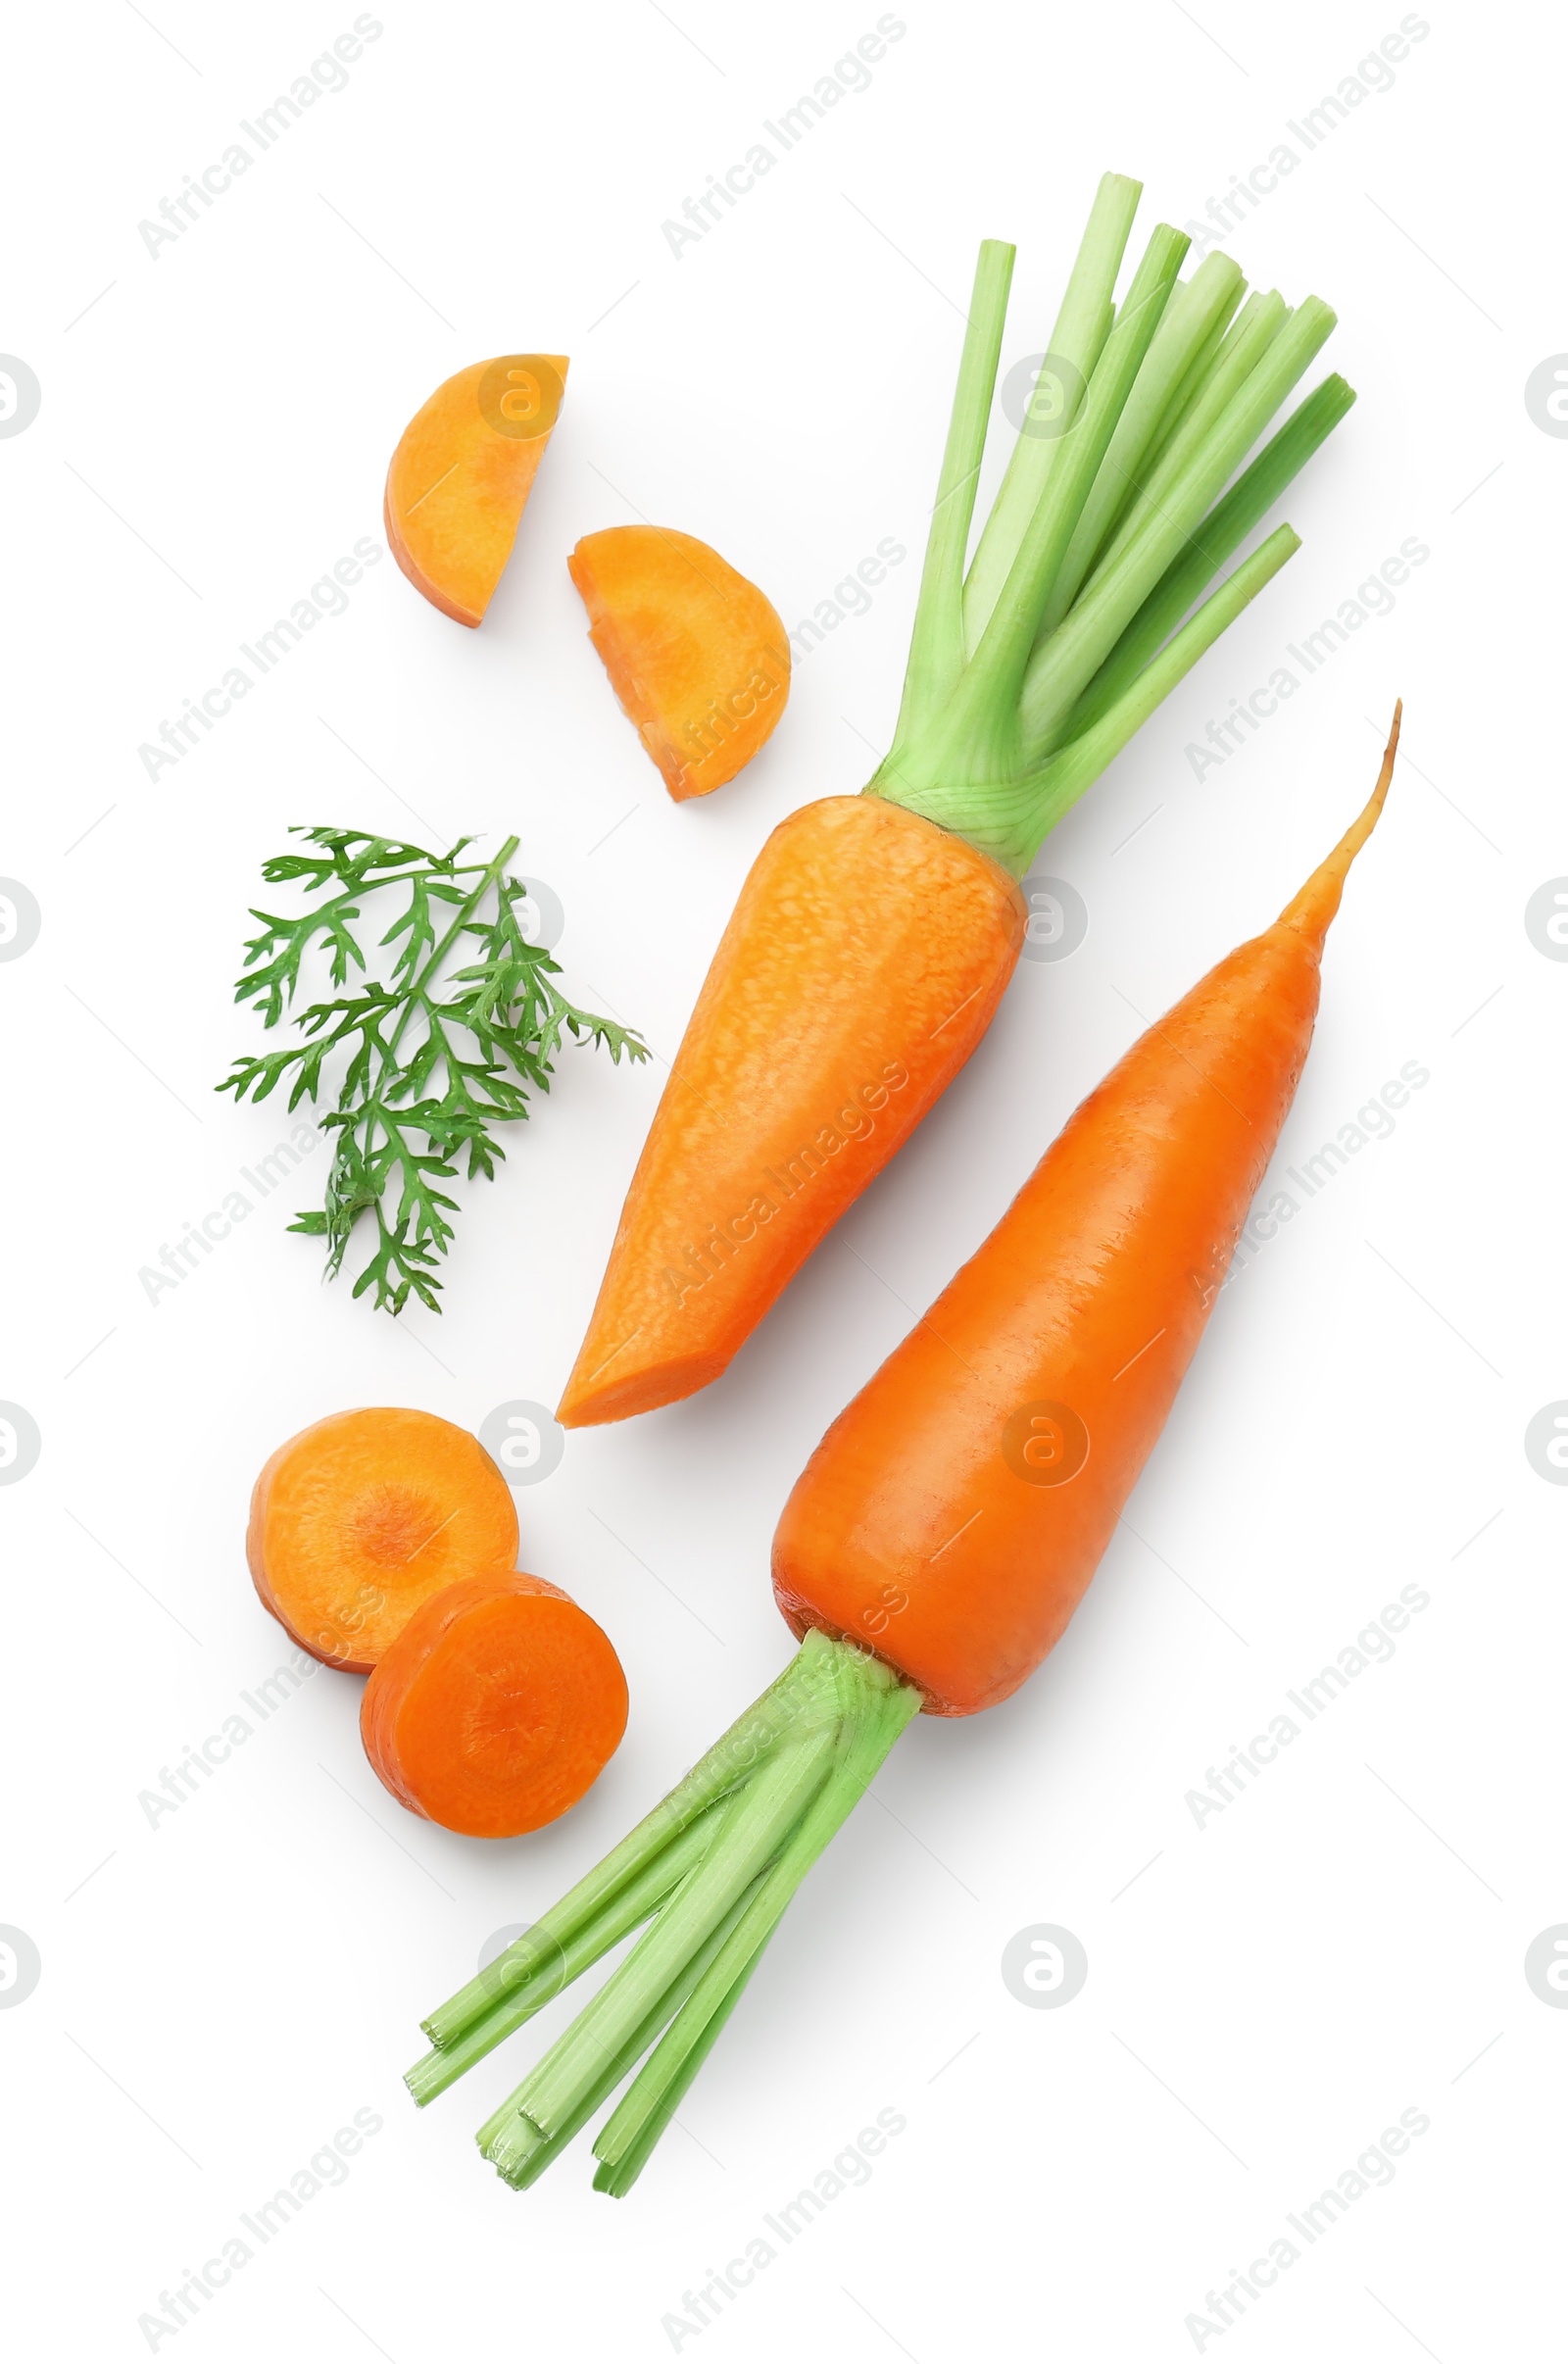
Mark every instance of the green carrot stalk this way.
pixel 712 1870
pixel 1219 369
pixel 1080 332
pixel 759 1819
pixel 518 2149
pixel 978 728
pixel 1221 532
pixel 533 1961
pixel 861 1741
pixel 1064 665
pixel 1010 820
pixel 936 650
pixel 1205 301
pixel 1105 530
pixel 556 1964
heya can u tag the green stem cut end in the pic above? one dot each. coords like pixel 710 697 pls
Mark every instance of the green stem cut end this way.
pixel 708 1875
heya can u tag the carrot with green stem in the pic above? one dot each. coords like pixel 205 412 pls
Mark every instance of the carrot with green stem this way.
pixel 934 1547
pixel 875 934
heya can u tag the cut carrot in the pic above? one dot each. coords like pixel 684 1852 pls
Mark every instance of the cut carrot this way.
pixel 1033 661
pixel 832 969
pixel 361 1517
pixel 934 1548
pixel 496 1707
pixel 696 655
pixel 462 473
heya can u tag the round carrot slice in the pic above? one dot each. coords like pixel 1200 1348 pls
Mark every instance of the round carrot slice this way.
pixel 360 1518
pixel 496 1707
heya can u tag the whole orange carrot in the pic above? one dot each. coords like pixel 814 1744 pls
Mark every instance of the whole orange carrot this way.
pixel 936 1545
pixel 952 1515
pixel 874 936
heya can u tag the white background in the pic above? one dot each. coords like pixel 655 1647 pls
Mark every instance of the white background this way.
pixel 221 1993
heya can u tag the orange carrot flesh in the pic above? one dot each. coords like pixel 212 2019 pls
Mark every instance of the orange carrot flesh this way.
pixel 952 1517
pixel 496 1707
pixel 358 1519
pixel 693 651
pixel 462 473
pixel 862 963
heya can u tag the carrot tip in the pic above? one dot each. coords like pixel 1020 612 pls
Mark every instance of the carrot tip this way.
pixel 1313 908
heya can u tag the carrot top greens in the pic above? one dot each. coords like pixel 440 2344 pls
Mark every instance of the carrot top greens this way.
pixel 1031 670
pixel 436 1058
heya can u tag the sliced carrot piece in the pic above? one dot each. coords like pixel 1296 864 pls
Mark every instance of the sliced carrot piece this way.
pixel 696 655
pixel 496 1707
pixel 361 1517
pixel 859 968
pixel 462 473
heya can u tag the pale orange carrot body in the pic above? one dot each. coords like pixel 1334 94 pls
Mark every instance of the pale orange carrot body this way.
pixel 952 1515
pixel 860 968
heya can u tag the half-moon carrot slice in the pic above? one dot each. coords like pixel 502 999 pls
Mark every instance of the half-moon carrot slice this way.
pixel 361 1517
pixel 696 655
pixel 463 471
pixel 496 1707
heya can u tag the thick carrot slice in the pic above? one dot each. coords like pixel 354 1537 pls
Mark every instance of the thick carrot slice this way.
pixel 952 1517
pixel 360 1518
pixel 496 1707
pixel 462 473
pixel 861 966
pixel 696 655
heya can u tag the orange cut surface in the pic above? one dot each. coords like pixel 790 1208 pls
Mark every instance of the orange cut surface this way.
pixel 696 655
pixel 360 1518
pixel 462 473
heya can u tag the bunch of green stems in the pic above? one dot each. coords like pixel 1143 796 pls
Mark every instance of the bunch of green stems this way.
pixel 1034 661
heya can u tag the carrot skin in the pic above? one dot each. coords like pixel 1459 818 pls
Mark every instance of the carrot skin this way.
pixel 861 965
pixel 953 1516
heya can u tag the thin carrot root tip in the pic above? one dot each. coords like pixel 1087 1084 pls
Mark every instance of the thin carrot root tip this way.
pixel 1312 911
pixel 499 1704
pixel 355 1521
